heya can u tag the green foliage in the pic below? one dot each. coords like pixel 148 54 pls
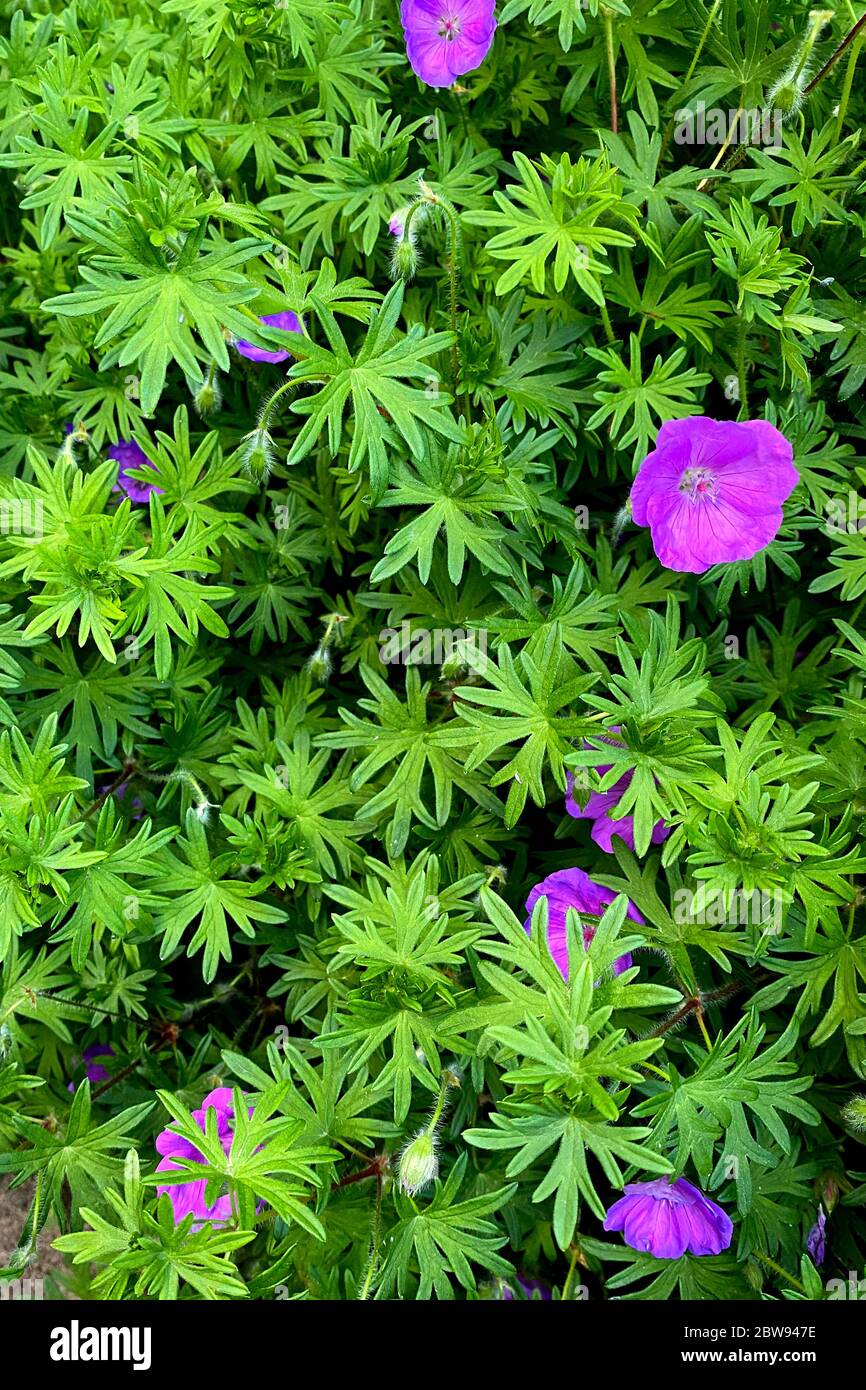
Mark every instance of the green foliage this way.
pixel 306 686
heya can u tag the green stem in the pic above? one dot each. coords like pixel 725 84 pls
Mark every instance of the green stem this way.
pixel 431 199
pixel 688 77
pixel 566 1288
pixel 375 1244
pixel 836 55
pixel 771 1264
pixel 848 83
pixel 606 323
pixel 607 19
pixel 440 1103
pixel 741 366
pixel 265 421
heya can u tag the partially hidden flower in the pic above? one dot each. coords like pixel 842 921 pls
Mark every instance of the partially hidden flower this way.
pixel 131 456
pixel 711 491
pixel 93 1070
pixel 816 1241
pixel 190 1197
pixel 573 888
pixel 669 1218
pixel 397 222
pixel 526 1288
pixel 287 321
pixel 446 38
pixel 600 805
pixel 136 805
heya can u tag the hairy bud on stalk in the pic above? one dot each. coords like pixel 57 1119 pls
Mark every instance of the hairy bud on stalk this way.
pixel 257 455
pixel 854 1114
pixel 319 664
pixel 404 260
pixel 788 94
pixel 208 398
pixel 418 1162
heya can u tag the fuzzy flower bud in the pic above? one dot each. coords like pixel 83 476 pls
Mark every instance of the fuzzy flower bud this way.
pixel 854 1114
pixel 258 455
pixel 319 664
pixel 404 260
pixel 208 398
pixel 418 1163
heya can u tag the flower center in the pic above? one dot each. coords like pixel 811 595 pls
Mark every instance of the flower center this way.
pixel 449 27
pixel 698 483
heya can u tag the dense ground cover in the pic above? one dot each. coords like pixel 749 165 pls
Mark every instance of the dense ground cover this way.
pixel 430 508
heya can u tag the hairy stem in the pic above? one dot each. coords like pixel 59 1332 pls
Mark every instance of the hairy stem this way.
pixel 607 18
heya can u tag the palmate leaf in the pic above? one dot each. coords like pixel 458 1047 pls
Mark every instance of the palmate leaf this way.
pixel 153 303
pixel 403 733
pixel 156 1254
pixel 524 702
pixel 570 18
pixel 166 600
pixel 735 1096
pixel 666 393
pixel 457 511
pixel 296 789
pixel 208 898
pixel 106 893
pixel 565 219
pixel 717 1278
pixel 265 1160
pixel 99 700
pixel 384 409
pixel 79 1153
pixel 69 170
pixel 431 1246
pixel 533 1129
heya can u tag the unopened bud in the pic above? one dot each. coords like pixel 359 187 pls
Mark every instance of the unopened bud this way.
pixel 257 455
pixel 208 398
pixel 827 1189
pixel 319 664
pixel 404 260
pixel 418 1163
pixel 854 1114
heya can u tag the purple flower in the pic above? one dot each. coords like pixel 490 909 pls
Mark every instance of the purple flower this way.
pixel 529 1288
pixel 190 1197
pixel 573 888
pixel 136 805
pixel 446 38
pixel 95 1071
pixel 711 492
pixel 287 321
pixel 397 224
pixel 816 1242
pixel 600 805
pixel 129 455
pixel 668 1218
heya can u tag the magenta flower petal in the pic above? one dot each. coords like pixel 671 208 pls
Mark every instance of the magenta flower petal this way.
pixel 446 38
pixel 711 491
pixel 287 321
pixel 129 455
pixel 190 1197
pixel 95 1071
pixel 600 806
pixel 573 888
pixel 669 1218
